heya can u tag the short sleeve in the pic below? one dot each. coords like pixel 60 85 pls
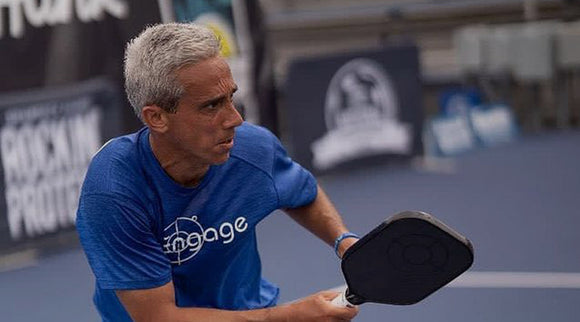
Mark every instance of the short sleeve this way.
pixel 120 244
pixel 295 185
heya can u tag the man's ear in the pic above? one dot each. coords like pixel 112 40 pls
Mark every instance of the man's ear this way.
pixel 155 117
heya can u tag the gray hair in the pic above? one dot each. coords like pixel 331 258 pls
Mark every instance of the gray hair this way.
pixel 153 57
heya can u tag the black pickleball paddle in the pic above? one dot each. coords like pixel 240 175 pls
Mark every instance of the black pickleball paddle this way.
pixel 403 260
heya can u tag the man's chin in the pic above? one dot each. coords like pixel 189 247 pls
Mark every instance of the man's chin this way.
pixel 222 159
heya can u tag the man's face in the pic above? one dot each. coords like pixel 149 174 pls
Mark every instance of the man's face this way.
pixel 202 128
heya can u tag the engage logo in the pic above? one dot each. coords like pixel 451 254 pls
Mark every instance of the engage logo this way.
pixel 185 237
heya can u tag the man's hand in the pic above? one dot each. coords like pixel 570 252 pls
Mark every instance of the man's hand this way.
pixel 318 307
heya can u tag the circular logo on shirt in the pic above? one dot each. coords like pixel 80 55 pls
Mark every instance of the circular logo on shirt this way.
pixel 184 238
pixel 184 241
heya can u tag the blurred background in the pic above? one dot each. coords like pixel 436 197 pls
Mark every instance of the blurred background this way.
pixel 469 109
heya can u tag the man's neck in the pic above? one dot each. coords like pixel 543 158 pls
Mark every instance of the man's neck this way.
pixel 175 165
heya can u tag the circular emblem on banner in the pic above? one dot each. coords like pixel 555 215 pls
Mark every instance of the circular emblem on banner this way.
pixel 361 115
pixel 359 92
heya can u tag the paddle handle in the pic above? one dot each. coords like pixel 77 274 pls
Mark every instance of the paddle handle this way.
pixel 341 300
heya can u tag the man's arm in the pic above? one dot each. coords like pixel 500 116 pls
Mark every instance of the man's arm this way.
pixel 322 219
pixel 158 304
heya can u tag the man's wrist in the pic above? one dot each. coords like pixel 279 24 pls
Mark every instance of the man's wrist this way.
pixel 338 241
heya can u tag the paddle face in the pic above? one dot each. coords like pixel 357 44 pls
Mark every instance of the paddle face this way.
pixel 404 259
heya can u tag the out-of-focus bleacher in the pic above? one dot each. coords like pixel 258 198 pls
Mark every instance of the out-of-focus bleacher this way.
pixel 530 65
pixel 460 41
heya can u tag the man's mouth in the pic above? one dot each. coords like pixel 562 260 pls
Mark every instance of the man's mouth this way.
pixel 227 142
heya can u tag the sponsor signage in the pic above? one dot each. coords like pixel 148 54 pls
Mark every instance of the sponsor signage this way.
pixel 465 123
pixel 493 124
pixel 47 43
pixel 346 108
pixel 53 111
pixel 47 139
pixel 41 13
pixel 449 135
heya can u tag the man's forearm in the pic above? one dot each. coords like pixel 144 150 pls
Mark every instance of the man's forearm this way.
pixel 322 219
pixel 158 304
pixel 170 312
pixel 275 314
pixel 314 308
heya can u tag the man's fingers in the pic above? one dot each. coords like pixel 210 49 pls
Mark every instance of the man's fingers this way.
pixel 344 313
pixel 347 313
pixel 329 295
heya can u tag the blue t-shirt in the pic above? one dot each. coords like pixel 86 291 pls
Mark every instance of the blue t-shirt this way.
pixel 140 229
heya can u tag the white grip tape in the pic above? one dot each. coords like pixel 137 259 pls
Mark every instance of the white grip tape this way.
pixel 341 301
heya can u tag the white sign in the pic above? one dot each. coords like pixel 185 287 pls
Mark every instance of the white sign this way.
pixel 40 13
pixel 493 125
pixel 45 150
pixel 452 134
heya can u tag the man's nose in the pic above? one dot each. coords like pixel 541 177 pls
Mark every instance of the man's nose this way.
pixel 233 118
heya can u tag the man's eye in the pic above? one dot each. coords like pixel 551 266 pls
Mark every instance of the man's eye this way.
pixel 213 105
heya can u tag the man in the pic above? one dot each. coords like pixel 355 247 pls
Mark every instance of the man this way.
pixel 167 215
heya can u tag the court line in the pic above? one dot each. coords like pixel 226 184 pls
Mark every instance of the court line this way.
pixel 491 279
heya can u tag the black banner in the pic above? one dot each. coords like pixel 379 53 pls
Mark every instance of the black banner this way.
pixel 47 138
pixel 349 107
pixel 61 85
pixel 62 42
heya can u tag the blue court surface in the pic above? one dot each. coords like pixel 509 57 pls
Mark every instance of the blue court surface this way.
pixel 518 204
